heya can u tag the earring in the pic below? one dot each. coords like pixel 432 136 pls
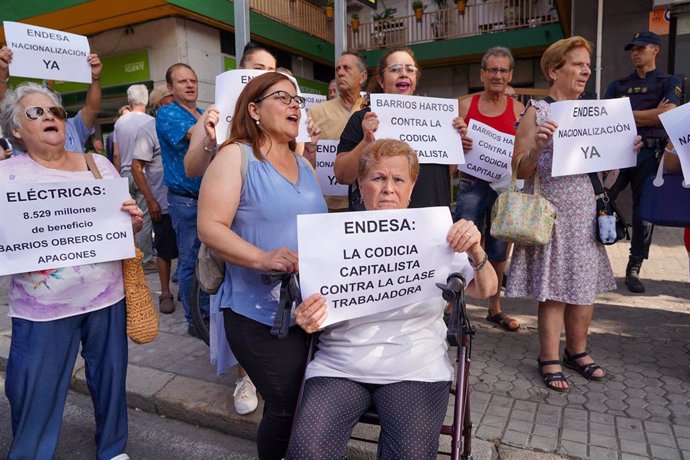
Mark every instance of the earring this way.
pixel 257 122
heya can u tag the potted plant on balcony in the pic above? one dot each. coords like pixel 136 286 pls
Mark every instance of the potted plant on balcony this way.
pixel 329 10
pixel 355 22
pixel 460 5
pixel 418 8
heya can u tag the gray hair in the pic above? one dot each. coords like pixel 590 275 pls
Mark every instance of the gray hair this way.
pixel 138 95
pixel 358 57
pixel 499 51
pixel 10 109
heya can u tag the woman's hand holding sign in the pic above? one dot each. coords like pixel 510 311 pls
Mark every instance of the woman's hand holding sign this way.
pixel 311 313
pixel 545 134
pixel 370 124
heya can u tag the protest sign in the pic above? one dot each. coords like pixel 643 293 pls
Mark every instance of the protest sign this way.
pixel 677 125
pixel 491 154
pixel 229 85
pixel 62 224
pixel 325 159
pixel 426 123
pixel 47 54
pixel 312 99
pixel 593 136
pixel 373 261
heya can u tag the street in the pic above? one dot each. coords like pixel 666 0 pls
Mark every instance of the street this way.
pixel 150 436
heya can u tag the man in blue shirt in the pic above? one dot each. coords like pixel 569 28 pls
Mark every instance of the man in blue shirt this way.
pixel 651 93
pixel 174 125
pixel 80 127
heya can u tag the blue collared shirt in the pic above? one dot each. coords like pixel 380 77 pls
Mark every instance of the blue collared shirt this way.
pixel 172 123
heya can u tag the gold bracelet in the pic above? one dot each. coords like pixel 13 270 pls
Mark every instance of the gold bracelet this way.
pixel 207 148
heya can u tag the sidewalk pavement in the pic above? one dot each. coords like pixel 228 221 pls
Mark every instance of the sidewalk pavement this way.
pixel 641 411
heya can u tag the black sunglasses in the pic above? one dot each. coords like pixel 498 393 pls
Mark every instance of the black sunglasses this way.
pixel 285 98
pixel 35 112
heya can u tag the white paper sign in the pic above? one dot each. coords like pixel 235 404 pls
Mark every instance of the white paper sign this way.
pixel 325 159
pixel 426 123
pixel 47 54
pixel 229 85
pixel 62 224
pixel 312 99
pixel 373 261
pixel 491 154
pixel 677 125
pixel 593 136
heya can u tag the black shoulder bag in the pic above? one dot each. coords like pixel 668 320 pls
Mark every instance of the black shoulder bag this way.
pixel 611 226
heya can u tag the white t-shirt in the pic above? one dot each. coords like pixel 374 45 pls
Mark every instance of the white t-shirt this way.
pixel 406 344
pixel 126 129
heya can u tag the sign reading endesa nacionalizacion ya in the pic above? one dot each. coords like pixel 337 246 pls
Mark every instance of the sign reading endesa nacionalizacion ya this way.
pixel 326 152
pixel 373 261
pixel 47 54
pixel 63 224
pixel 593 136
pixel 426 123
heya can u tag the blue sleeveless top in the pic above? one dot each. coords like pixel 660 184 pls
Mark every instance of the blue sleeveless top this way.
pixel 267 218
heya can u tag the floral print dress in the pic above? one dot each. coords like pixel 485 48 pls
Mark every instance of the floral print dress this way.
pixel 573 267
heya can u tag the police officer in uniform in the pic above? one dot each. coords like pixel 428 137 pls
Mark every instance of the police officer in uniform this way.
pixel 651 93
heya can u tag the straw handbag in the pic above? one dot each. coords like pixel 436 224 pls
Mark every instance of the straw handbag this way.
pixel 522 218
pixel 142 318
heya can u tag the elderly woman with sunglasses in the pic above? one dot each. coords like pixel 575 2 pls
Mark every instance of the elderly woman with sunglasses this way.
pixel 250 221
pixel 55 310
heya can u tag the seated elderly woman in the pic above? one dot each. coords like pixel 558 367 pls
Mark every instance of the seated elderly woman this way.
pixel 396 360
pixel 54 311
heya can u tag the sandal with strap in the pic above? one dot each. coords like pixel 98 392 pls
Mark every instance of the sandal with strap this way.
pixel 585 370
pixel 503 320
pixel 550 377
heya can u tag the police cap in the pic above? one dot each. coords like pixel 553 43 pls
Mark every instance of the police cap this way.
pixel 643 38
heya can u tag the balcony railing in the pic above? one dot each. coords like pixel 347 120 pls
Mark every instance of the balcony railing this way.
pixel 297 14
pixel 485 17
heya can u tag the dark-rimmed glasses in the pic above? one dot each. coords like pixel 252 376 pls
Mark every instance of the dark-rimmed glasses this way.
pixel 285 98
pixel 35 112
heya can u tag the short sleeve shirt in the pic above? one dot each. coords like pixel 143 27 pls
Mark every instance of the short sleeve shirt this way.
pixel 126 129
pixel 433 184
pixel 50 294
pixel 147 149
pixel 76 133
pixel 172 123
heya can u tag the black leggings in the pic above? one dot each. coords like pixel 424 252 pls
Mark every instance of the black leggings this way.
pixel 276 367
pixel 411 416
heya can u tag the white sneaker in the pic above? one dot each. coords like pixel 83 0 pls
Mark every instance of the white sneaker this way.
pixel 245 396
pixel 121 457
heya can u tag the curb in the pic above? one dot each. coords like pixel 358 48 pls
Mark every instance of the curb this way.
pixel 210 405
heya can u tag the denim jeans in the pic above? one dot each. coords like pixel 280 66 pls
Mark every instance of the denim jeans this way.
pixel 475 200
pixel 39 369
pixel 183 211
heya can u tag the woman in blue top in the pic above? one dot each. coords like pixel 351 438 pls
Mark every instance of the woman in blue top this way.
pixel 251 223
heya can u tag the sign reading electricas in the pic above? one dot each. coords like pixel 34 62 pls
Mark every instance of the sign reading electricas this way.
pixel 325 159
pixel 426 123
pixel 373 261
pixel 491 154
pixel 47 54
pixel 593 136
pixel 677 125
pixel 229 85
pixel 62 224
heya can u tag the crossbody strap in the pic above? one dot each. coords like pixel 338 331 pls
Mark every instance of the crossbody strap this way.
pixel 91 165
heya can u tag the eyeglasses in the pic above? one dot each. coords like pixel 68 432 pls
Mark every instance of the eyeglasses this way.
pixel 35 112
pixel 400 69
pixel 285 98
pixel 497 70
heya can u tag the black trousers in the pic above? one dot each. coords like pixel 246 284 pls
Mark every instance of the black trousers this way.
pixel 276 367
pixel 642 230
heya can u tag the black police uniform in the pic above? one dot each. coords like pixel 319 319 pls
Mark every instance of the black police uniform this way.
pixel 644 93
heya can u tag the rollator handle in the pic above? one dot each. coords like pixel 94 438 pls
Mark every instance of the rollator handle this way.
pixel 454 287
pixel 454 292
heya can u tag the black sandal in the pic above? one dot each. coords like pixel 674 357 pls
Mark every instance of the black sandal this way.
pixel 551 377
pixel 586 370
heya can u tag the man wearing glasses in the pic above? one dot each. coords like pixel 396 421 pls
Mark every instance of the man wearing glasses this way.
pixel 476 197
